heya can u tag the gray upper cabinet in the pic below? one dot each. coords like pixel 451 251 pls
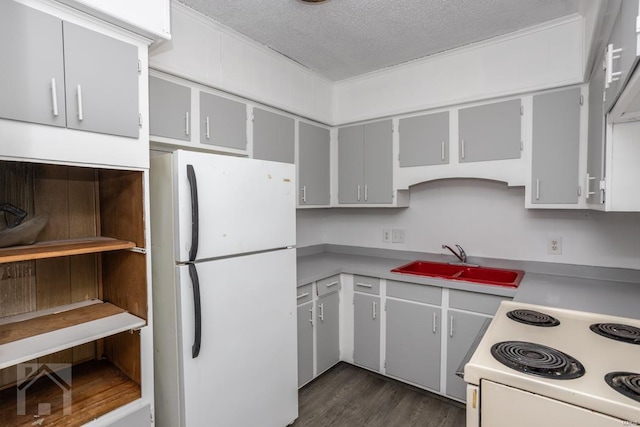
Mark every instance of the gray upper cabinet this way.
pixel 223 122
pixel 169 109
pixel 305 343
pixel 365 167
pixel 314 165
pixel 556 146
pixel 413 343
pixel 424 140
pixel 32 71
pixel 101 76
pixel 621 55
pixel 490 132
pixel 75 78
pixel 328 331
pixel 273 136
pixel 595 139
pixel 366 331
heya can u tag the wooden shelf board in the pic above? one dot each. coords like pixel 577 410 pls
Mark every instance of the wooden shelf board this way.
pixel 59 248
pixel 97 388
pixel 35 337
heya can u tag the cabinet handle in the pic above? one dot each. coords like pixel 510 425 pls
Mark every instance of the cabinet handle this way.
pixel 79 96
pixel 435 321
pixel 442 151
pixel 206 123
pixel 358 192
pixel 304 194
pixel 537 188
pixel 374 307
pixel 451 326
pixel 332 284
pixel 306 294
pixel 321 307
pixel 186 123
pixel 366 192
pixel 364 285
pixel 311 315
pixel 462 149
pixel 54 97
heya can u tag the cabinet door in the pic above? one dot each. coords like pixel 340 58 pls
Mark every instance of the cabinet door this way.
pixel 328 332
pixel 596 141
pixel 273 136
pixel 378 163
pixel 223 122
pixel 366 331
pixel 314 165
pixel 463 329
pixel 32 71
pixel 101 79
pixel 413 343
pixel 490 132
pixel 169 109
pixel 424 140
pixel 305 343
pixel 350 164
pixel 556 146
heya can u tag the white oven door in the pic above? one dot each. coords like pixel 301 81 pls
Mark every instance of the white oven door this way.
pixel 503 406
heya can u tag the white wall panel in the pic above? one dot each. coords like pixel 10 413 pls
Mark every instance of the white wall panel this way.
pixel 487 219
pixel 526 61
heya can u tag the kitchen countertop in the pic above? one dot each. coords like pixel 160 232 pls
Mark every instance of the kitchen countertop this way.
pixel 599 290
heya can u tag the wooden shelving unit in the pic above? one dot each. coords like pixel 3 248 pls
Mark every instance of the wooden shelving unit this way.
pixel 59 248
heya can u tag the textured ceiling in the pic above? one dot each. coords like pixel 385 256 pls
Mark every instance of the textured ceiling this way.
pixel 345 38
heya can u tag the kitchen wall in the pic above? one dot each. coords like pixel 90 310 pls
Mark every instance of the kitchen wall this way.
pixel 487 219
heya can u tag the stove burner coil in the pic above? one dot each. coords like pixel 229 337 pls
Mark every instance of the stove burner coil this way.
pixel 538 360
pixel 627 383
pixel 533 318
pixel 616 331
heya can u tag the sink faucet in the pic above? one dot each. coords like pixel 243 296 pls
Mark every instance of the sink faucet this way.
pixel 461 255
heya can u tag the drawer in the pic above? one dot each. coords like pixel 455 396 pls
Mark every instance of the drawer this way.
pixel 328 285
pixel 414 292
pixel 367 285
pixel 472 301
pixel 303 293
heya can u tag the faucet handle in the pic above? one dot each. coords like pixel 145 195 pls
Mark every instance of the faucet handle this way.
pixel 463 254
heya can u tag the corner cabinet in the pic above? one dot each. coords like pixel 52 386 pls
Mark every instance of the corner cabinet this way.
pixel 76 302
pixel 273 136
pixel 366 322
pixel 314 165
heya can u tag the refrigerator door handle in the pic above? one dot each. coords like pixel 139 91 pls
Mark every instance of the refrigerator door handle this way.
pixel 193 273
pixel 191 176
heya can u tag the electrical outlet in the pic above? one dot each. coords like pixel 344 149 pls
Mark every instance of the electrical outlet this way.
pixel 386 236
pixel 554 245
pixel 397 236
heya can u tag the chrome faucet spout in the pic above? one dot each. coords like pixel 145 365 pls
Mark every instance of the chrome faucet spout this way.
pixel 462 256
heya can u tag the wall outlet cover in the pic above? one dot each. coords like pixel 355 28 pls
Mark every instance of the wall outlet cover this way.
pixel 397 236
pixel 386 236
pixel 554 245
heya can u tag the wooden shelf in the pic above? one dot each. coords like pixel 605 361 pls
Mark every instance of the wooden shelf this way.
pixel 47 332
pixel 59 248
pixel 97 387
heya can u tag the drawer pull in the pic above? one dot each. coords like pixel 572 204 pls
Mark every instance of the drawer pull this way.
pixel 306 294
pixel 364 285
pixel 321 306
pixel 328 285
pixel 311 316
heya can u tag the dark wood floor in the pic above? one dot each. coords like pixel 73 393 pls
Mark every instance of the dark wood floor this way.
pixel 348 396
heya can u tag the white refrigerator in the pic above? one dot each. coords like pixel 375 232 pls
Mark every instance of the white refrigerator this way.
pixel 224 278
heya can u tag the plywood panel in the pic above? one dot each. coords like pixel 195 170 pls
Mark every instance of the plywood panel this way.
pixel 122 206
pixel 123 350
pixel 124 278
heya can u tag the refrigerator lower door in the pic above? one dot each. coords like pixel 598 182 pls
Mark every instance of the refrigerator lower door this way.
pixel 246 371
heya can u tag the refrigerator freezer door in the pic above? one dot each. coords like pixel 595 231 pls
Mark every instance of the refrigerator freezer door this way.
pixel 243 205
pixel 246 371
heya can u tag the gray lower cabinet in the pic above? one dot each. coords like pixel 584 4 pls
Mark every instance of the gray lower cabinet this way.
pixel 424 140
pixel 413 342
pixel 366 331
pixel 223 122
pixel 273 136
pixel 490 132
pixel 314 165
pixel 42 55
pixel 169 109
pixel 328 331
pixel 556 147
pixel 305 343
pixel 463 329
pixel 365 166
